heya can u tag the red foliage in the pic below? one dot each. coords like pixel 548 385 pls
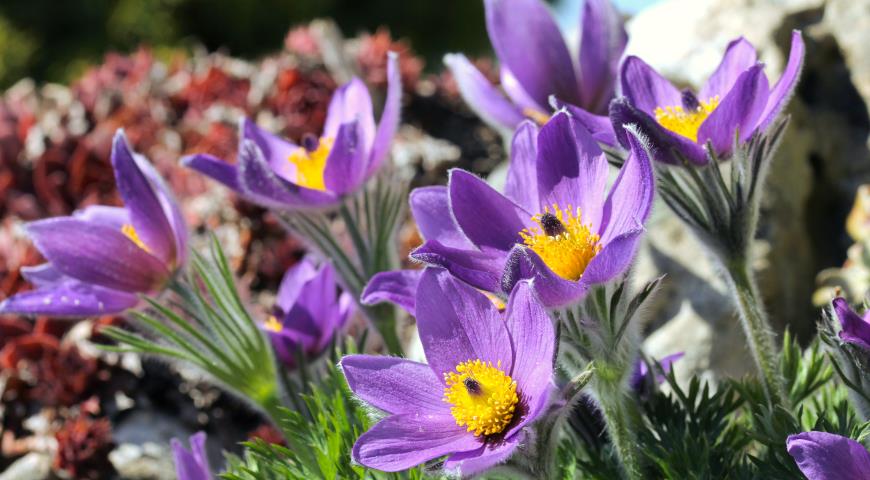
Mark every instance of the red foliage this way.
pixel 83 446
pixel 372 59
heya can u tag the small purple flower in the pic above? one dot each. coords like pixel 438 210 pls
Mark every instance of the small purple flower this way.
pixel 489 376
pixel 856 330
pixel 826 456
pixel 556 221
pixel 307 313
pixel 736 100
pixel 191 464
pixel 536 63
pixel 101 257
pixel 276 173
pixel 637 381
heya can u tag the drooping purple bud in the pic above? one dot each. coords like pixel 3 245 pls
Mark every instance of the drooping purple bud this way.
pixel 690 100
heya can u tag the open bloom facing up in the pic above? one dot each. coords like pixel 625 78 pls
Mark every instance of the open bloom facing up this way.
pixel 489 375
pixel 556 223
pixel 101 257
pixel 826 456
pixel 855 329
pixel 536 63
pixel 736 101
pixel 307 313
pixel 191 464
pixel 276 173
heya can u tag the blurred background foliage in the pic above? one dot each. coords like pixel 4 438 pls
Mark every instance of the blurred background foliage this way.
pixel 52 40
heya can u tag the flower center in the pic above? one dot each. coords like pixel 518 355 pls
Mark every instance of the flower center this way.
pixel 536 116
pixel 273 325
pixel 130 233
pixel 685 120
pixel 483 397
pixel 310 162
pixel 562 241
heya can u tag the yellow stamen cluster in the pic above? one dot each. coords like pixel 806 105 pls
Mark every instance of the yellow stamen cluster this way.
pixel 569 252
pixel 483 397
pixel 273 325
pixel 311 164
pixel 684 123
pixel 130 233
pixel 536 116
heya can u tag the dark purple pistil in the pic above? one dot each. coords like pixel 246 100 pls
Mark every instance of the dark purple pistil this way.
pixel 690 101
pixel 472 385
pixel 552 225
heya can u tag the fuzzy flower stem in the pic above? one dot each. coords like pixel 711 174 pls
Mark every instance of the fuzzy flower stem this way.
pixel 621 414
pixel 757 329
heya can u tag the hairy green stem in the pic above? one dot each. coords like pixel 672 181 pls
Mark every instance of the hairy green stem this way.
pixel 757 329
pixel 383 316
pixel 621 415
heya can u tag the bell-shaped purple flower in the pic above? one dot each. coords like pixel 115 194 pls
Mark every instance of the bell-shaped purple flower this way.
pixel 855 329
pixel 191 464
pixel 101 258
pixel 276 173
pixel 826 456
pixel 556 222
pixel 736 102
pixel 489 376
pixel 536 62
pixel 308 312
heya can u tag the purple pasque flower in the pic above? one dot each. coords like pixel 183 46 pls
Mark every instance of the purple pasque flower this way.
pixel 736 102
pixel 191 464
pixel 308 312
pixel 637 380
pixel 855 328
pixel 489 376
pixel 536 62
pixel 276 173
pixel 101 258
pixel 556 222
pixel 826 456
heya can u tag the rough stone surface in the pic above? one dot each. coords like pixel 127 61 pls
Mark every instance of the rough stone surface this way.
pixel 823 159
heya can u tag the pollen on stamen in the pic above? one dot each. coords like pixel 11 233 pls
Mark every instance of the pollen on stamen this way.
pixel 310 162
pixel 685 120
pixel 130 233
pixel 562 241
pixel 273 325
pixel 483 397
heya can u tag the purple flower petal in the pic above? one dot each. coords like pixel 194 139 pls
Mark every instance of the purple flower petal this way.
pixel 43 275
pixel 826 456
pixel 431 209
pixel 400 442
pixel 551 289
pixel 663 143
pixel 630 199
pixel 739 111
pixel 517 94
pixel 112 217
pixel 69 299
pixel 784 88
pixel 138 192
pixel 193 464
pixel 276 150
pixel 293 281
pixel 99 254
pixel 487 456
pixel 389 118
pixel 521 185
pixel 645 88
pixel 481 269
pixel 351 102
pixel 171 208
pixel 527 41
pixel 457 324
pixel 602 41
pixel 263 186
pixel 215 168
pixel 398 286
pixel 614 259
pixel 855 329
pixel 346 164
pixel 480 95
pixel 598 125
pixel 534 342
pixel 572 170
pixel 395 385
pixel 739 57
pixel 488 218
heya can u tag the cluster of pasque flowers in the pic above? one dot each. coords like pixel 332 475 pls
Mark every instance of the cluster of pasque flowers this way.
pixel 498 264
